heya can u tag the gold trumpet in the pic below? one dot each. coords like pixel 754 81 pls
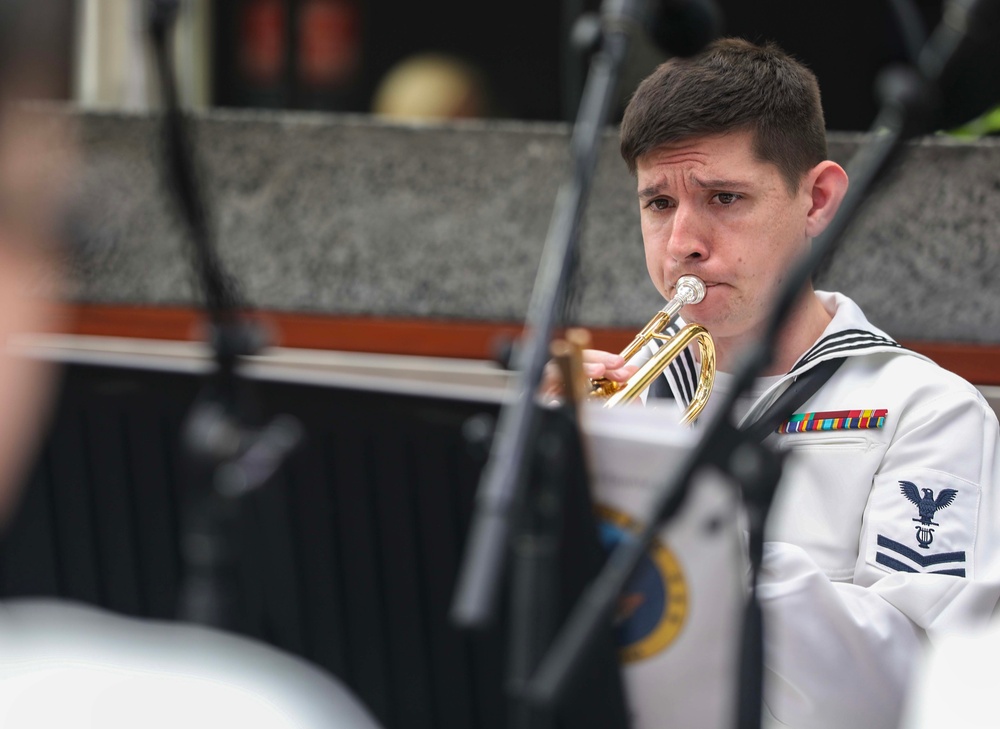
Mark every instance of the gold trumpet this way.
pixel 689 290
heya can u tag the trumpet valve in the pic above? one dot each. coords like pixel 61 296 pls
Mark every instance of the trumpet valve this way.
pixel 603 387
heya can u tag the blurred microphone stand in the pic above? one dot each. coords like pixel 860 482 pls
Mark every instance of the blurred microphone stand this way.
pixel 228 453
pixel 504 493
pixel 534 446
pixel 912 101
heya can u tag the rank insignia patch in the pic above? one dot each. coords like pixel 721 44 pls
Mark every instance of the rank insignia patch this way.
pixel 923 521
pixel 900 558
pixel 834 420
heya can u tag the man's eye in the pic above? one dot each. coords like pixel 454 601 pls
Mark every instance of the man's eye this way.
pixel 660 203
pixel 727 198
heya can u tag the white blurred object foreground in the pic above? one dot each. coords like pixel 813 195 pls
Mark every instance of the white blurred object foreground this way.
pixel 68 665
pixel 955 683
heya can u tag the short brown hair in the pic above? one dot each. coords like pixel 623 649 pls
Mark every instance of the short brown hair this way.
pixel 733 85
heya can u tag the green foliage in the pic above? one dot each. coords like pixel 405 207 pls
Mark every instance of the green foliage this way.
pixel 987 124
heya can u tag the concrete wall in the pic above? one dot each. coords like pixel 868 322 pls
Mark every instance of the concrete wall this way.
pixel 345 215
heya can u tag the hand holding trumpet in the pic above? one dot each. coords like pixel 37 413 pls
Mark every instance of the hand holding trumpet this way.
pixel 595 364
pixel 615 378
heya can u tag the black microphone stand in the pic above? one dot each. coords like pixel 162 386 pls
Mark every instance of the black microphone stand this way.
pixel 504 476
pixel 229 454
pixel 524 479
pixel 908 99
pixel 506 471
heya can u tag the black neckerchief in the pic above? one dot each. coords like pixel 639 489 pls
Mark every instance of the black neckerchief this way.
pixel 802 388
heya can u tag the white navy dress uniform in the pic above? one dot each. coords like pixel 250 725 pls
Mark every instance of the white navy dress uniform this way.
pixel 882 535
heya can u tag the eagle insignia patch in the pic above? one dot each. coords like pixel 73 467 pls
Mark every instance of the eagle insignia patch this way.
pixel 926 506
pixel 925 523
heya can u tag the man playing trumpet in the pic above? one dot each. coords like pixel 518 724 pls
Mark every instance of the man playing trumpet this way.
pixel 882 535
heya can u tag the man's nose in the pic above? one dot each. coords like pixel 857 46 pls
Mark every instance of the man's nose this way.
pixel 688 235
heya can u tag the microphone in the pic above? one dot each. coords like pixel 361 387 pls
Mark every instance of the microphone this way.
pixel 684 27
pixel 677 27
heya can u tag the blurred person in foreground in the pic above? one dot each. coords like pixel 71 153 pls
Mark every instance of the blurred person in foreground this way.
pixel 64 664
pixel 34 181
pixel 883 535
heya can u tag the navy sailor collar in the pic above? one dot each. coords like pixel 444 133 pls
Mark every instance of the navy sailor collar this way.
pixel 849 334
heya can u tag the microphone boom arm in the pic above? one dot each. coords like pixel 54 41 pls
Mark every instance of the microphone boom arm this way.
pixel 503 477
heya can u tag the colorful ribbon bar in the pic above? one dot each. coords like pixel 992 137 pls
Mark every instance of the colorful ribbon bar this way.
pixel 834 420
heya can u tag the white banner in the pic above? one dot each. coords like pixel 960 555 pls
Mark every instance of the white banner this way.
pixel 679 620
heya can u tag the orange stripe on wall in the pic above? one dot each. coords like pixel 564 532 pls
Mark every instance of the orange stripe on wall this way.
pixel 979 364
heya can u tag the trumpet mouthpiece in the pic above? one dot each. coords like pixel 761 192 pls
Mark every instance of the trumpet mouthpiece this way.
pixel 689 289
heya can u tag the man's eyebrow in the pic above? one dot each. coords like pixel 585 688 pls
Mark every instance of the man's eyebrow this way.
pixel 721 184
pixel 716 184
pixel 651 191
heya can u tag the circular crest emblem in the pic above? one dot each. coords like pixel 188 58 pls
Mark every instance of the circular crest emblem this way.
pixel 654 605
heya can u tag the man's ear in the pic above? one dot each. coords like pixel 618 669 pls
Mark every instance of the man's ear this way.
pixel 826 184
